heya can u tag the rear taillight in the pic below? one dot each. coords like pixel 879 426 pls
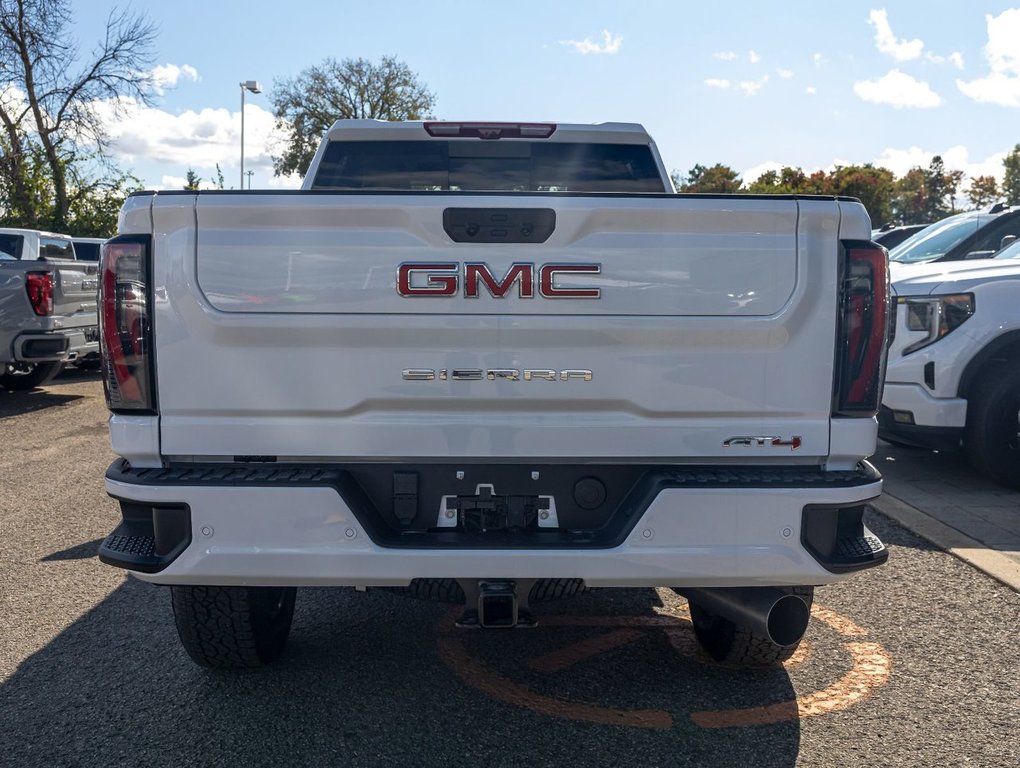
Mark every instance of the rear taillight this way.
pixel 863 325
pixel 40 292
pixel 126 327
pixel 491 130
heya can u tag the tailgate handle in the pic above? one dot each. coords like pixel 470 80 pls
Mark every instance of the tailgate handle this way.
pixel 499 225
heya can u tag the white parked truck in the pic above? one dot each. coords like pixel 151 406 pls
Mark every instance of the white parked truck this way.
pixel 954 363
pixel 497 361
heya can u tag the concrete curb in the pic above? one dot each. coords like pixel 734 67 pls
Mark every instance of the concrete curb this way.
pixel 998 566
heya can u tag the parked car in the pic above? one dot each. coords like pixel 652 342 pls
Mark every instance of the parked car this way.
pixel 87 248
pixel 890 236
pixel 47 308
pixel 971 235
pixel 953 376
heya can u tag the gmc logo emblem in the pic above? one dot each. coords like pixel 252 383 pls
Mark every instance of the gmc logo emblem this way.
pixel 446 279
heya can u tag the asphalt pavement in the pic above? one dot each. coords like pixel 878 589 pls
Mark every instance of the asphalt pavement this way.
pixel 911 664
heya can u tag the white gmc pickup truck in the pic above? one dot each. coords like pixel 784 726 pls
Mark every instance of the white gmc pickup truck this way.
pixel 502 357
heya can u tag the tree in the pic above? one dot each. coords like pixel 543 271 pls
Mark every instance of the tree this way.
pixel 96 205
pixel 1011 178
pixel 53 97
pixel 193 181
pixel 910 200
pixel 941 187
pixel 983 191
pixel 874 187
pixel 719 179
pixel 307 105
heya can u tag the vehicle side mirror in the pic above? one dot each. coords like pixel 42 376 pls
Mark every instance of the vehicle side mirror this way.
pixel 1007 240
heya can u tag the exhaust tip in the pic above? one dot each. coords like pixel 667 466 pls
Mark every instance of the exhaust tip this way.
pixel 788 620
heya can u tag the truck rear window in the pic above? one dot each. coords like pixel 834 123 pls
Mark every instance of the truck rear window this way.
pixel 11 245
pixel 475 165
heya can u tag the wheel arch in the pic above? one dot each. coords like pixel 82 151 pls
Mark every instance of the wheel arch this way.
pixel 1000 349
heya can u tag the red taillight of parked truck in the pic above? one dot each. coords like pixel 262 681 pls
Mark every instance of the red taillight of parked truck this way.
pixel 125 322
pixel 862 329
pixel 40 292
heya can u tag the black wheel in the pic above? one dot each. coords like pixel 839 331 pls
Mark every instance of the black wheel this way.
pixel 992 435
pixel 727 643
pixel 449 591
pixel 233 627
pixel 22 376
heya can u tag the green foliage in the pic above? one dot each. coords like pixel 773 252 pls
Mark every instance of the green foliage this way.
pixel 96 205
pixel 307 105
pixel 1011 179
pixel 718 179
pixel 910 201
pixel 942 186
pixel 872 186
pixel 193 181
pixel 983 191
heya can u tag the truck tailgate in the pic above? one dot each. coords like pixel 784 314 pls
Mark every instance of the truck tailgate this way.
pixel 280 330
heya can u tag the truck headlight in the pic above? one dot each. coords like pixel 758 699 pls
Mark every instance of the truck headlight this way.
pixel 936 315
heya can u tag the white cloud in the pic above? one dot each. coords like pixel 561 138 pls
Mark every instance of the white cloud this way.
pixel 165 76
pixel 610 44
pixel 179 182
pixel 819 60
pixel 714 83
pixel 751 87
pixel 1002 85
pixel 810 90
pixel 191 139
pixel 753 57
pixel 956 158
pixel 725 56
pixel 957 58
pixel 290 181
pixel 899 90
pixel 885 40
pixel 785 74
pixel 755 172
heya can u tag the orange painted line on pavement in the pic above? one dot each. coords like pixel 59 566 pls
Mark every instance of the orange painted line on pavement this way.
pixel 840 623
pixel 871 666
pixel 558 660
pixel 473 672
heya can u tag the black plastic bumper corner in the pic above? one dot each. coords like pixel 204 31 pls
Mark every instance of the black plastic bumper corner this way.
pixel 149 536
pixel 838 539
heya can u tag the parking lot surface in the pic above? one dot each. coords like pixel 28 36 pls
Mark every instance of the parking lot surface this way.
pixel 912 664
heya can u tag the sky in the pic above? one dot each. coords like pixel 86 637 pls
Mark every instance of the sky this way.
pixel 753 85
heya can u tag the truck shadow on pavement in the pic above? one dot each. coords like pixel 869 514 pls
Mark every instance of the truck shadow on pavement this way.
pixel 370 679
pixel 77 552
pixel 17 403
pixel 53 394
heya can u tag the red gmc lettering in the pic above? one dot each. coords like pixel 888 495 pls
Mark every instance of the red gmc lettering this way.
pixel 548 283
pixel 522 272
pixel 441 278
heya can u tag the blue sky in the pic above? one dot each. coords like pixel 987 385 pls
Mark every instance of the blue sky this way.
pixel 748 84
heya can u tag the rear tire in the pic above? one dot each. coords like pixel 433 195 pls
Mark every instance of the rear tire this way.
pixel 729 644
pixel 992 435
pixel 19 377
pixel 233 627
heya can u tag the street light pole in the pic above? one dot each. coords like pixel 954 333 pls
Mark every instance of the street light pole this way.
pixel 254 87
